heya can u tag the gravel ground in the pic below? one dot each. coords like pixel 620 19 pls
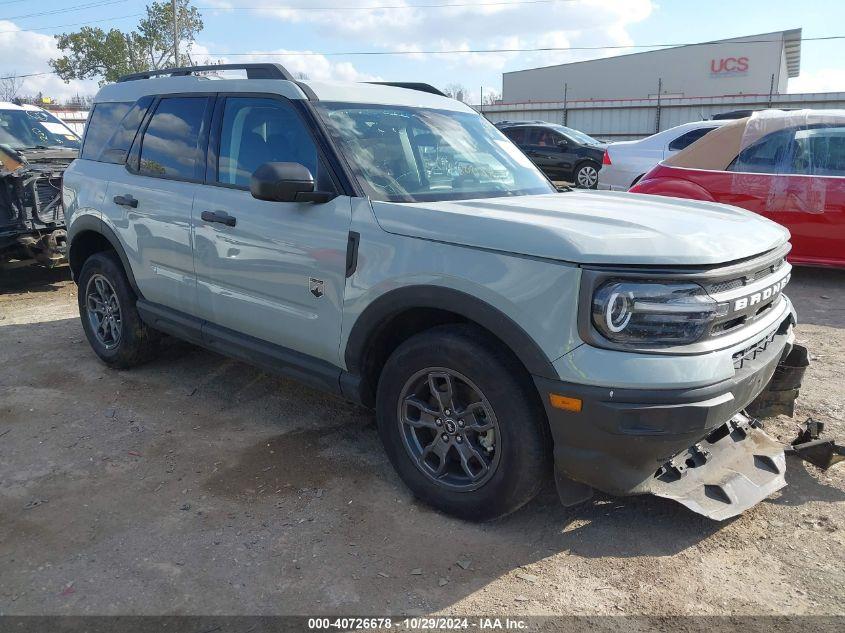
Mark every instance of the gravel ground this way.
pixel 199 485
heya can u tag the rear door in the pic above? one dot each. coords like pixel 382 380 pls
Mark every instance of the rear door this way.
pixel 149 203
pixel 275 271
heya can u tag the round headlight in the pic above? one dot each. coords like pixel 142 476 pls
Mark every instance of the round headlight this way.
pixel 652 313
pixel 618 311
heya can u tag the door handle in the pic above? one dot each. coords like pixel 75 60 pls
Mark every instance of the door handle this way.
pixel 126 201
pixel 219 216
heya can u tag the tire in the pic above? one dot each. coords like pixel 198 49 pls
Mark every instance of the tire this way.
pixel 103 282
pixel 519 462
pixel 586 176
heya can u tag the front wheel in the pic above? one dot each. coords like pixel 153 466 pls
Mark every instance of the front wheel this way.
pixel 587 176
pixel 460 423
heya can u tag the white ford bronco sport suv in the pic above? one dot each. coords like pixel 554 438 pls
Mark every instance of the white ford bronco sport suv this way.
pixel 391 246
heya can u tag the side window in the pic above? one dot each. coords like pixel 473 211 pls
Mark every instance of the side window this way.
pixel 688 138
pixel 258 130
pixel 765 156
pixel 102 123
pixel 517 134
pixel 818 152
pixel 545 138
pixel 169 146
pixel 117 148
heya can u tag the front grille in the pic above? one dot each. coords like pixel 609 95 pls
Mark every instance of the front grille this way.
pixel 747 278
pixel 748 297
pixel 724 286
pixel 47 204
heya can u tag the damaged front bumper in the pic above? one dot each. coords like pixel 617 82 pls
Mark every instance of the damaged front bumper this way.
pixel 691 445
pixel 32 222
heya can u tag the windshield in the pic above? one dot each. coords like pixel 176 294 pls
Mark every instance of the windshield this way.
pixel 575 135
pixel 34 129
pixel 404 154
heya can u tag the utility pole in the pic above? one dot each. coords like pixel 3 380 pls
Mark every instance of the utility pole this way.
pixel 175 33
pixel 771 90
pixel 657 117
pixel 565 88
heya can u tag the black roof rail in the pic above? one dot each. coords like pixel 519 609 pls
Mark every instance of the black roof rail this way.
pixel 411 85
pixel 253 71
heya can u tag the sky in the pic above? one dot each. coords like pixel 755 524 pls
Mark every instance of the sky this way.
pixel 308 32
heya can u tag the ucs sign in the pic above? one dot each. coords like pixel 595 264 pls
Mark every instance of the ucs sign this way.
pixel 728 66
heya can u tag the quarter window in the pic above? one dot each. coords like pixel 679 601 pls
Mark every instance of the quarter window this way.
pixel 169 147
pixel 684 140
pixel 117 148
pixel 257 131
pixel 104 120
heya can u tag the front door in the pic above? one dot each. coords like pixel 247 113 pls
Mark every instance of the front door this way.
pixel 272 270
pixel 547 150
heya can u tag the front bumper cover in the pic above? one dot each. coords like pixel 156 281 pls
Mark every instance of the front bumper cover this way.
pixel 621 439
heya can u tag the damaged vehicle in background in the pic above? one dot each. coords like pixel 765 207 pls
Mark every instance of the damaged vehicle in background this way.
pixel 35 149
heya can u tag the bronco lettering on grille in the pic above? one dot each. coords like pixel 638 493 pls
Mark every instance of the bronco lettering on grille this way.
pixel 762 295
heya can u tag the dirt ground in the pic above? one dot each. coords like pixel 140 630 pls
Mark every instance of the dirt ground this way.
pixel 199 485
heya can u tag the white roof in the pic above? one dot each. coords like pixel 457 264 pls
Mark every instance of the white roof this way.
pixel 8 105
pixel 351 92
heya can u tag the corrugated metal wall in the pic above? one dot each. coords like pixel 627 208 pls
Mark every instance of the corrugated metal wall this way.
pixel 74 119
pixel 619 120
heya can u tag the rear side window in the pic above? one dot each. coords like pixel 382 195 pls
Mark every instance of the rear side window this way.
pixel 517 135
pixel 818 152
pixel 102 124
pixel 689 138
pixel 169 147
pixel 766 156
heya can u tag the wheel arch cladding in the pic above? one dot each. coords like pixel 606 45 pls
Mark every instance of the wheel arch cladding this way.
pixel 89 235
pixel 399 314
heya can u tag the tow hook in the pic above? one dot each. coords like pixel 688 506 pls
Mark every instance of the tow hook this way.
pixel 809 447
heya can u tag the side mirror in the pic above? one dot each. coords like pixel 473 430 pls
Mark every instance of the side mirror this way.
pixel 562 142
pixel 286 182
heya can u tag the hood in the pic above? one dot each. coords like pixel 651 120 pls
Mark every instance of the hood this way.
pixel 57 155
pixel 591 227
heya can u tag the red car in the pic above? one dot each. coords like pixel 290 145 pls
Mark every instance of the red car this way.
pixel 787 166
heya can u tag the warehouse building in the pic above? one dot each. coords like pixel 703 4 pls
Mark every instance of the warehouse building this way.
pixel 755 64
pixel 632 96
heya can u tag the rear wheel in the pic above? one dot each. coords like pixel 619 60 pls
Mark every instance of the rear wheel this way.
pixel 461 425
pixel 111 322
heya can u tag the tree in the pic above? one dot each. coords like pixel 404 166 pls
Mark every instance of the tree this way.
pixel 9 87
pixel 456 91
pixel 93 52
pixel 491 97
